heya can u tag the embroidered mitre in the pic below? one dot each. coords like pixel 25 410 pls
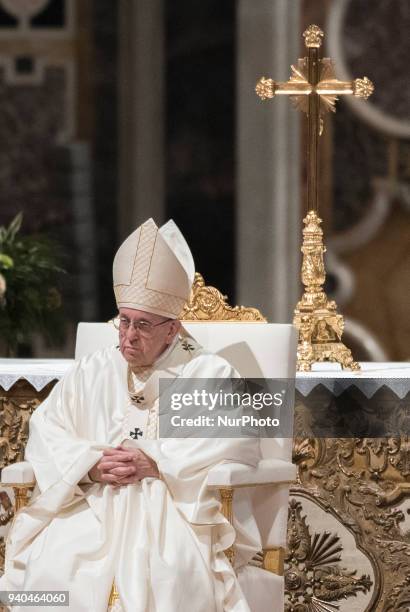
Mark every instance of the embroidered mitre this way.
pixel 154 270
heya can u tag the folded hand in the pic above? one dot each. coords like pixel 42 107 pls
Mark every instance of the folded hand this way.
pixel 121 466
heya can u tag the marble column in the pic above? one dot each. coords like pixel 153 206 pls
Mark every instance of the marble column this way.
pixel 141 113
pixel 268 161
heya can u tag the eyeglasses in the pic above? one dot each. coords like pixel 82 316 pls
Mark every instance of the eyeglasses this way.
pixel 145 328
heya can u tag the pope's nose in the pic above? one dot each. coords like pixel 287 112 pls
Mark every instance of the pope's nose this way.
pixel 132 332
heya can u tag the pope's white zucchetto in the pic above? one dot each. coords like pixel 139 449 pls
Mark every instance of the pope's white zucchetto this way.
pixel 154 270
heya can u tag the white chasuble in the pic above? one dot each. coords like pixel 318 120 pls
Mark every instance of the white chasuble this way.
pixel 161 540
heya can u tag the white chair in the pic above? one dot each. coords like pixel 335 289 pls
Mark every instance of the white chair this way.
pixel 256 350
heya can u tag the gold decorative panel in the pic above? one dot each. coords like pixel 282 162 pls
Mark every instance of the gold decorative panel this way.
pixel 365 484
pixel 16 407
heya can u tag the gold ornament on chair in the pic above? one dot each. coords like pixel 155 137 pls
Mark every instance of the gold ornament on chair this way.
pixel 206 303
pixel 314 89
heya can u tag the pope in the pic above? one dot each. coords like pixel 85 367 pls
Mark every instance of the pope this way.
pixel 113 502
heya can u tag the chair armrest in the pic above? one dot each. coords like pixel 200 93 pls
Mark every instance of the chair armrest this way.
pixel 268 471
pixel 18 473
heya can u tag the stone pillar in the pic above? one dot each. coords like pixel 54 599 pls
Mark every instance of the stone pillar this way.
pixel 141 113
pixel 268 154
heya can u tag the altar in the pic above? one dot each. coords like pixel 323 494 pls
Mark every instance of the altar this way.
pixel 349 511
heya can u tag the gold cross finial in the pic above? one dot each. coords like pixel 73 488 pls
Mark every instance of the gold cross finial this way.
pixel 313 36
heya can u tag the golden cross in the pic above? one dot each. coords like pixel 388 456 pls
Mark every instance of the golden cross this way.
pixel 314 89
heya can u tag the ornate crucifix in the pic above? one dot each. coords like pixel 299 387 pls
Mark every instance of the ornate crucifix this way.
pixel 314 89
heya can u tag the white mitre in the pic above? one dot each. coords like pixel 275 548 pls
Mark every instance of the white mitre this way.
pixel 154 270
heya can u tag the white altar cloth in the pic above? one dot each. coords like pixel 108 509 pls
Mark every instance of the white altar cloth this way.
pixel 372 376
pixel 39 372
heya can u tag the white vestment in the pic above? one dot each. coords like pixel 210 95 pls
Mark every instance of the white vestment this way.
pixel 161 540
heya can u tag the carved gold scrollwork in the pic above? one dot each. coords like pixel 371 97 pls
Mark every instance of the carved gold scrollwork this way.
pixel 320 326
pixel 16 407
pixel 364 483
pixel 7 510
pixel 313 576
pixel 399 597
pixel 207 303
pixel 15 412
pixel 226 494
pixel 2 553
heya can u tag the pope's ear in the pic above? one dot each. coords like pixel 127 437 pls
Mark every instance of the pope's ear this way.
pixel 174 328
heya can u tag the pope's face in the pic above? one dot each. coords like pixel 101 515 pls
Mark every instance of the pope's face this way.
pixel 142 346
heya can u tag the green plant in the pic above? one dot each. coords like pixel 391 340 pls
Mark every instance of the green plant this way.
pixel 30 301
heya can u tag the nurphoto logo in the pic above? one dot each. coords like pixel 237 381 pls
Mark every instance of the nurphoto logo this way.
pixel 226 408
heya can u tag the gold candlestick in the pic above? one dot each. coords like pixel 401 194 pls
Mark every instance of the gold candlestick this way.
pixel 314 89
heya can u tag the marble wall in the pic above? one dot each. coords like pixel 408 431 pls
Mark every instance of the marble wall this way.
pixel 58 129
pixel 200 133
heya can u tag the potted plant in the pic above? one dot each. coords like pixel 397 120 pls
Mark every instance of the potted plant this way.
pixel 30 300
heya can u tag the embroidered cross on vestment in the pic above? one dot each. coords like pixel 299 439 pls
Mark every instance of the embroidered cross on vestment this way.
pixel 137 432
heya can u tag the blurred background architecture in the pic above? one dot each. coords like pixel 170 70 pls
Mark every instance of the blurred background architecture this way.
pixel 113 111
